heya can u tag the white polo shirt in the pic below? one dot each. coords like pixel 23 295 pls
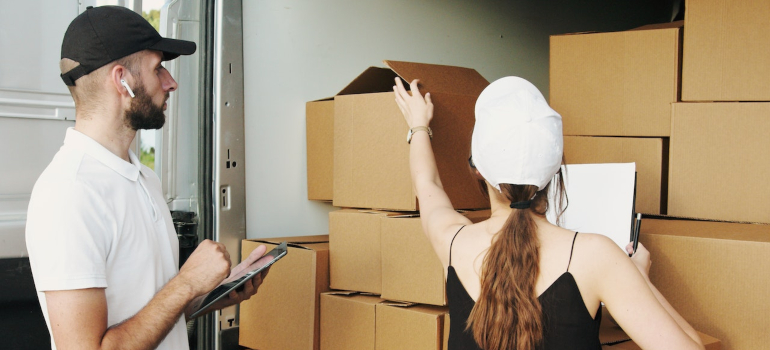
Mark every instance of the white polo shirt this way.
pixel 97 221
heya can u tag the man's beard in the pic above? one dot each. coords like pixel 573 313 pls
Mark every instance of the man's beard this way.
pixel 143 113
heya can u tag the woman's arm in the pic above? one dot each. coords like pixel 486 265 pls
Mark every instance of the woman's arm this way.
pixel 636 305
pixel 642 261
pixel 436 212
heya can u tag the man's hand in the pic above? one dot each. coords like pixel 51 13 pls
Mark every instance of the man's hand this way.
pixel 205 269
pixel 247 290
pixel 250 287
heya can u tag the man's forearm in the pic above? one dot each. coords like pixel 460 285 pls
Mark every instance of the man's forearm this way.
pixel 148 328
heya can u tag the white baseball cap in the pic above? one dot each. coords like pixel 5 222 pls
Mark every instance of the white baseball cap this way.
pixel 517 138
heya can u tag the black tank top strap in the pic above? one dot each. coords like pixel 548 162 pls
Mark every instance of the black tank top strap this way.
pixel 453 242
pixel 570 251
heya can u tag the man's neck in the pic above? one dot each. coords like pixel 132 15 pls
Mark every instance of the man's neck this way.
pixel 110 132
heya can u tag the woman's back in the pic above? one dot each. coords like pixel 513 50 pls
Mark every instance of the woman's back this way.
pixel 567 323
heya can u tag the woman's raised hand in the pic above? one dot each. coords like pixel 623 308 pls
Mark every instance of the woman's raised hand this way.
pixel 418 111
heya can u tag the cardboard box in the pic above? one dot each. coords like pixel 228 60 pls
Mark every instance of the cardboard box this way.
pixel 616 84
pixel 411 326
pixel 720 161
pixel 726 51
pixel 371 156
pixel 319 126
pixel 649 154
pixel 411 271
pixel 348 321
pixel 354 249
pixel 285 313
pixel 715 275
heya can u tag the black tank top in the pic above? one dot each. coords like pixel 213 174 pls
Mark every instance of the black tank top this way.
pixel 567 324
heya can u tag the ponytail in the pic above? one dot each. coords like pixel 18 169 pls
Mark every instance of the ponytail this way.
pixel 507 314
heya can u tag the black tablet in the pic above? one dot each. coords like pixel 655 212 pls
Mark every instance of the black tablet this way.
pixel 235 282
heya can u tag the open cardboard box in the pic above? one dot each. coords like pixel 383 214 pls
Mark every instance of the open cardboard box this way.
pixel 616 84
pixel 285 313
pixel 371 156
pixel 715 275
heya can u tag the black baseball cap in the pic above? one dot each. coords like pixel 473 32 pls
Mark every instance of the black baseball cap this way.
pixel 104 34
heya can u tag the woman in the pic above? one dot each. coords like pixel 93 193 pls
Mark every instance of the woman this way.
pixel 516 281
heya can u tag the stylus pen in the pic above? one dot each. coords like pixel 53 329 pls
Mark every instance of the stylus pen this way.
pixel 637 227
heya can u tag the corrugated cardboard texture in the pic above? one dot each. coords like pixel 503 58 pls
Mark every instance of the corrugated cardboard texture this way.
pixel 371 156
pixel 285 313
pixel 720 161
pixel 649 154
pixel 354 250
pixel 415 327
pixel 319 125
pixel 615 84
pixel 726 50
pixel 411 271
pixel 348 322
pixel 715 276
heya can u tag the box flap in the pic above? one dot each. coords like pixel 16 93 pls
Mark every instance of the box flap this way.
pixel 667 25
pixel 398 303
pixel 373 79
pixel 759 233
pixel 295 241
pixel 342 292
pixel 439 78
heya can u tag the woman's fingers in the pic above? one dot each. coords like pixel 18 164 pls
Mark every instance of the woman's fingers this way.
pixel 414 88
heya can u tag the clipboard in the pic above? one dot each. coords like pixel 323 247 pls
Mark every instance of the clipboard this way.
pixel 601 197
pixel 235 282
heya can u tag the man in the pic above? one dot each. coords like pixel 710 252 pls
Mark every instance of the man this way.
pixel 101 242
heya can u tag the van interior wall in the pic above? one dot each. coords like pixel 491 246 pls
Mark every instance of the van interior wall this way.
pixel 297 51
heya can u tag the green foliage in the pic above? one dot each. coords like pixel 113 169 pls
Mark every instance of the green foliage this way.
pixel 148 158
pixel 153 17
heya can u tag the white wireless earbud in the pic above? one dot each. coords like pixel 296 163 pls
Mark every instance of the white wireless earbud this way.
pixel 123 82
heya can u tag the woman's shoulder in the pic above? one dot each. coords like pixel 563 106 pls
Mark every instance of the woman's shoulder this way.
pixel 599 249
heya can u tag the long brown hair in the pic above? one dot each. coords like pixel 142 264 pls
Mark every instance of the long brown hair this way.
pixel 507 314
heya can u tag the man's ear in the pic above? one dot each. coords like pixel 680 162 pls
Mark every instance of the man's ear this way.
pixel 118 73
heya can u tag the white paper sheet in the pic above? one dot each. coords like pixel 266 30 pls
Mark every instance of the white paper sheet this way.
pixel 600 200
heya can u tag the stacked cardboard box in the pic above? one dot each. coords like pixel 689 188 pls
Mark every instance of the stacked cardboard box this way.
pixel 285 314
pixel 376 243
pixel 714 275
pixel 720 153
pixel 713 136
pixel 614 92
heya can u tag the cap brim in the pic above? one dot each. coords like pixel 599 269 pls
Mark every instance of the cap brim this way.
pixel 173 48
